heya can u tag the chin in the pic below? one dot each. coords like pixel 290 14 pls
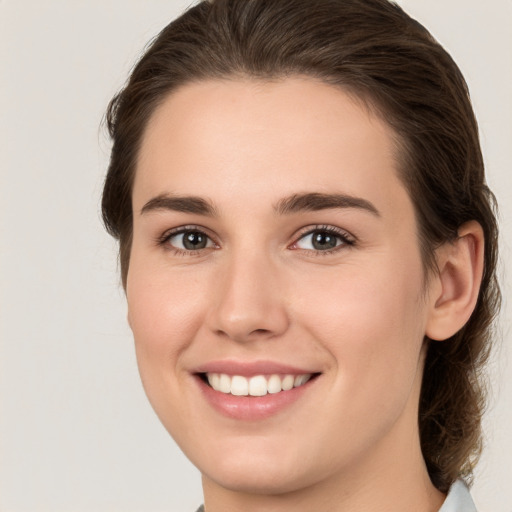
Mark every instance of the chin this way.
pixel 255 473
pixel 257 480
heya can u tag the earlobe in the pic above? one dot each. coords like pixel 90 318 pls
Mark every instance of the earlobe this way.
pixel 460 265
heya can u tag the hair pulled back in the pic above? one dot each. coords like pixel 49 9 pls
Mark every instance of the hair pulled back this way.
pixel 377 53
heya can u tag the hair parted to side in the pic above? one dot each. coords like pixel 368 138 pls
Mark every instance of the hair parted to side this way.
pixel 377 53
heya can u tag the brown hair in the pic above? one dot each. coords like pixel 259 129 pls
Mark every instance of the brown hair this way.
pixel 375 51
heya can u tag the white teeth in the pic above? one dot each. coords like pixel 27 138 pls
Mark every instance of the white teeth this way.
pixel 287 382
pixel 300 380
pixel 239 386
pixel 224 383
pixel 214 380
pixel 259 385
pixel 274 384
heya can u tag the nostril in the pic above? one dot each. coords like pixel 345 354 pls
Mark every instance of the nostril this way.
pixel 260 331
pixel 241 336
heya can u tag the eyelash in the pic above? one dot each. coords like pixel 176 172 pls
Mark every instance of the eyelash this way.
pixel 164 240
pixel 346 239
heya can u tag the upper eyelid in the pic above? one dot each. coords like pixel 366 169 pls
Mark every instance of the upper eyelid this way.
pixel 307 230
pixel 183 229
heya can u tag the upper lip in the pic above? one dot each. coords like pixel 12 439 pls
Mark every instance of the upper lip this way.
pixel 250 368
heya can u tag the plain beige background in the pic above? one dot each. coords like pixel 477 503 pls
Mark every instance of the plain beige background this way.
pixel 76 432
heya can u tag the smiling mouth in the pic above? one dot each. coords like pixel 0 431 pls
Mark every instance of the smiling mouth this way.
pixel 257 385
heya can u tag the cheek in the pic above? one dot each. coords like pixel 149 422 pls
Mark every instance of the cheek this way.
pixel 371 320
pixel 164 315
pixel 362 299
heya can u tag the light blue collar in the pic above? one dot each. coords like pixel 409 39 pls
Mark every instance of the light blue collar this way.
pixel 458 499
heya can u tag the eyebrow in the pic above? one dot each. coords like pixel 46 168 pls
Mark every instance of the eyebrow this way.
pixel 310 201
pixel 185 204
pixel 315 201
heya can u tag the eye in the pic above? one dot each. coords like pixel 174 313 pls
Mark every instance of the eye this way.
pixel 187 239
pixel 323 239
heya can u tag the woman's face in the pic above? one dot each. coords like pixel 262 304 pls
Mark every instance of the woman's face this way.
pixel 273 246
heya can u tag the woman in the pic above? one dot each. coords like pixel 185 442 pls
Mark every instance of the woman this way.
pixel 308 249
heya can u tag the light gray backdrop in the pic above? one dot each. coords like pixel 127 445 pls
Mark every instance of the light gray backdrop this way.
pixel 76 432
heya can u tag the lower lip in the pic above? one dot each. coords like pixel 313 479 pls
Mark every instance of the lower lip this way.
pixel 252 408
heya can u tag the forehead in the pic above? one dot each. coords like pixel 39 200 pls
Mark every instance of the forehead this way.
pixel 297 134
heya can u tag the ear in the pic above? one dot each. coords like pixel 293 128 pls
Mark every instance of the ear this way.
pixel 454 290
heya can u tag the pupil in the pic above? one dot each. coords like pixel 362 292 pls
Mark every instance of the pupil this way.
pixel 323 240
pixel 194 240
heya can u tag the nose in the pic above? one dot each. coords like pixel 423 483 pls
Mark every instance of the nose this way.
pixel 249 303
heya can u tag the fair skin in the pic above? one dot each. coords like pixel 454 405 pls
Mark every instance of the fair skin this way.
pixel 330 287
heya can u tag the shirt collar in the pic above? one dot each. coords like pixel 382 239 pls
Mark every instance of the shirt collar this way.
pixel 458 499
